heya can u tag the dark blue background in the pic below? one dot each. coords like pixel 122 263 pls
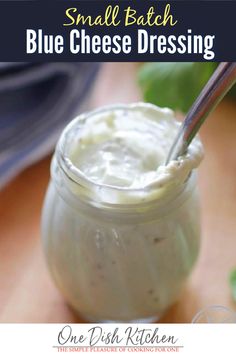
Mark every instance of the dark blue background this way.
pixel 203 17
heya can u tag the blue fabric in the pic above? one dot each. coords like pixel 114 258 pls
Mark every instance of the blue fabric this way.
pixel 36 102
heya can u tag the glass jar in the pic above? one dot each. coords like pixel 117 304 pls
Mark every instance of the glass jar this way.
pixel 124 262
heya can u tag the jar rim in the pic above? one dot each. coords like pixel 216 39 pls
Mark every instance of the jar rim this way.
pixel 77 177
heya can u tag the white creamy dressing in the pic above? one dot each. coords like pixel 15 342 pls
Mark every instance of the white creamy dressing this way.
pixel 127 147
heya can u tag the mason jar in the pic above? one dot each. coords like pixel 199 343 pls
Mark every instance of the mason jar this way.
pixel 115 260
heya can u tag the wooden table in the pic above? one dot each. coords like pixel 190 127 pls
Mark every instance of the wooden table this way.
pixel 27 293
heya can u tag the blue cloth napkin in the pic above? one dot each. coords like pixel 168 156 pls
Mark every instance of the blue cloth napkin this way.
pixel 36 102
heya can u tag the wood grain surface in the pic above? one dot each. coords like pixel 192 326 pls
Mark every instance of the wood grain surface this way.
pixel 27 293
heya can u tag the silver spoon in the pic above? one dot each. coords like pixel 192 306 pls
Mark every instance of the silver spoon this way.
pixel 216 88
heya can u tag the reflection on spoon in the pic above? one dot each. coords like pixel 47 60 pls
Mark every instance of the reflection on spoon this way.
pixel 216 88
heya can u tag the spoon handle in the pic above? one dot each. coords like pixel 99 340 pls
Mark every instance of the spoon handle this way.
pixel 216 88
